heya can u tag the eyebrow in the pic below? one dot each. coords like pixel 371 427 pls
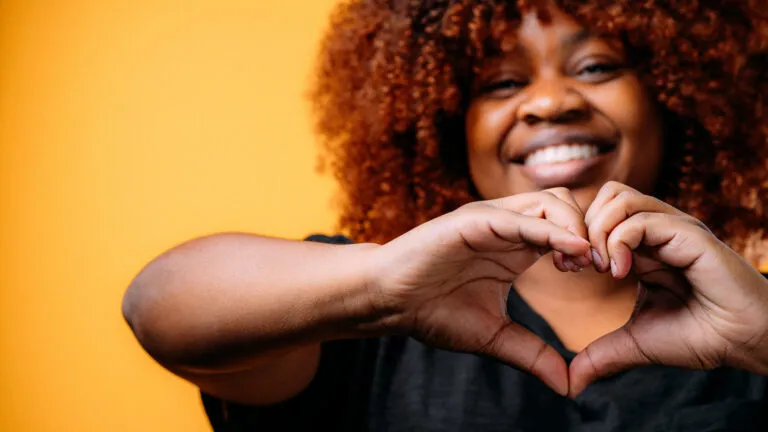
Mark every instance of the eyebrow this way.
pixel 573 40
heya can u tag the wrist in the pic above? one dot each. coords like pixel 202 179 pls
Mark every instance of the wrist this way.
pixel 362 307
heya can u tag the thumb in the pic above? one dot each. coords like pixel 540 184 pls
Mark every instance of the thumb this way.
pixel 608 355
pixel 515 345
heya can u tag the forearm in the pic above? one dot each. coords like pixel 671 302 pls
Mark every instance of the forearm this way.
pixel 229 301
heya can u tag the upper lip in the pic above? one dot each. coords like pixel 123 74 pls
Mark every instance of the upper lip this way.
pixel 558 137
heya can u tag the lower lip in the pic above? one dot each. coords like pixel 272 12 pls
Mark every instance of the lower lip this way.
pixel 577 171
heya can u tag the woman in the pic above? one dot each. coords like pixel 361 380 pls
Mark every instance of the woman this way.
pixel 596 157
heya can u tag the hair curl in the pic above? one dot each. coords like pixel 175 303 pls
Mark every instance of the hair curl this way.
pixel 391 92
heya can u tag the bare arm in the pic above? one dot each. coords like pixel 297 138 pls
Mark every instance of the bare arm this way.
pixel 242 316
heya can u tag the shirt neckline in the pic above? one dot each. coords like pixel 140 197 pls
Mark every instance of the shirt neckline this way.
pixel 522 313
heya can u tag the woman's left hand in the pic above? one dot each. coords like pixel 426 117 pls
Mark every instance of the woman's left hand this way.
pixel 700 305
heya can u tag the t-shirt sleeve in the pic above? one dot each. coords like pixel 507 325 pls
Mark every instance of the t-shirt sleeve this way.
pixel 334 400
pixel 336 239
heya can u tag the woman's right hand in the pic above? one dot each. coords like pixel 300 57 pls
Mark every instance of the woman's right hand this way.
pixel 447 280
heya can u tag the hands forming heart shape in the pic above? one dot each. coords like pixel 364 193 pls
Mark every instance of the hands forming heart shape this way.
pixel 701 305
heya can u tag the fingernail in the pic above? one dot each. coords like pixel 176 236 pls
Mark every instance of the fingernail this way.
pixel 614 269
pixel 596 259
pixel 577 267
pixel 581 260
pixel 567 263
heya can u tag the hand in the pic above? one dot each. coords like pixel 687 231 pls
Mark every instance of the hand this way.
pixel 700 306
pixel 447 280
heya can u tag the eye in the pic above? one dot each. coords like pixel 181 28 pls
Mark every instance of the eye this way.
pixel 597 68
pixel 502 88
pixel 598 71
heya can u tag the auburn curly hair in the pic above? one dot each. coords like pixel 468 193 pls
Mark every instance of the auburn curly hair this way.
pixel 392 84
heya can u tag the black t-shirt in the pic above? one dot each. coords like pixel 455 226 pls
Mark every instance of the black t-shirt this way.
pixel 398 384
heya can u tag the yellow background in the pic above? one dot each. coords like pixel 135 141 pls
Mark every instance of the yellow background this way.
pixel 127 126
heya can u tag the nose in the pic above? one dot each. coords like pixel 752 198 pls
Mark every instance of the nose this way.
pixel 551 100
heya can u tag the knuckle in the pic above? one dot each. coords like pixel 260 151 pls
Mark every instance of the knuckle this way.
pixel 467 214
pixel 612 242
pixel 493 345
pixel 698 223
pixel 474 205
pixel 645 216
pixel 626 196
pixel 560 190
pixel 595 231
pixel 545 196
pixel 612 185
pixel 617 238
pixel 702 234
pixel 689 222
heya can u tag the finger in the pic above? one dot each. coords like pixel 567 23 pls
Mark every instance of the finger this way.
pixel 683 243
pixel 519 348
pixel 608 355
pixel 557 260
pixel 566 264
pixel 606 193
pixel 554 205
pixel 565 195
pixel 620 259
pixel 492 229
pixel 677 240
pixel 483 329
pixel 574 264
pixel 653 336
pixel 558 206
pixel 540 233
pixel 623 203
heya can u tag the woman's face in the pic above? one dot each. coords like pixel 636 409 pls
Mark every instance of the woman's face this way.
pixel 561 109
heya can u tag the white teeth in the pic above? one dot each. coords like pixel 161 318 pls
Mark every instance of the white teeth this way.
pixel 561 153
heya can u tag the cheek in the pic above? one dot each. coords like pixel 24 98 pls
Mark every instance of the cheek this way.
pixel 626 105
pixel 487 122
pixel 487 125
pixel 631 111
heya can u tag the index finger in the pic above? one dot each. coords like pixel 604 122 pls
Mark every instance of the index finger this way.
pixel 555 205
pixel 614 204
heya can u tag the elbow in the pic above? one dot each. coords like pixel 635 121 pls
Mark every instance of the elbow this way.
pixel 150 321
pixel 134 309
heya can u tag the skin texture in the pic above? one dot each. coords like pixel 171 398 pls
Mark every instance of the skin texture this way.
pixel 427 168
pixel 701 305
pixel 393 87
pixel 534 89
pixel 557 78
pixel 445 282
pixel 544 85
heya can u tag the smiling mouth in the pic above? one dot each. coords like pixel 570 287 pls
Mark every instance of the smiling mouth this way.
pixel 571 161
pixel 565 152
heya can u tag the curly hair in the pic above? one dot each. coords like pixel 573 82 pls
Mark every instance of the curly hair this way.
pixel 392 87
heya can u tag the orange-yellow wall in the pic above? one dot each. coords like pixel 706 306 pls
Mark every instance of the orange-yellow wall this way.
pixel 127 126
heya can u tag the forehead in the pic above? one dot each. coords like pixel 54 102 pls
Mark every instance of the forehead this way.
pixel 559 31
